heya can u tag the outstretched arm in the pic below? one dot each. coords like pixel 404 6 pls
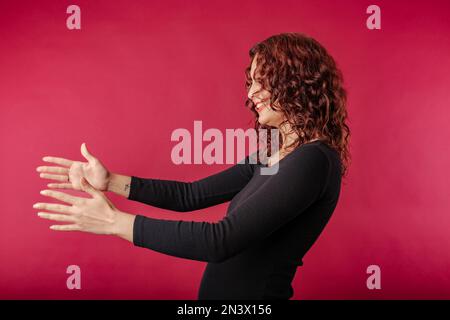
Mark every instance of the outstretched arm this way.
pixel 280 199
pixel 188 196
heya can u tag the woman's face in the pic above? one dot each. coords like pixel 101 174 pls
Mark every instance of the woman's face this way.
pixel 261 98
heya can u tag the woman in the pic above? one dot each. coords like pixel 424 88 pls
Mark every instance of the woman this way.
pixel 293 86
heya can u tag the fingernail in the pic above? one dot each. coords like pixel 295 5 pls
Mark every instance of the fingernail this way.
pixel 43 192
pixel 35 205
pixel 39 214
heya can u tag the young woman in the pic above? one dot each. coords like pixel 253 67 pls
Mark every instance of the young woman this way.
pixel 293 86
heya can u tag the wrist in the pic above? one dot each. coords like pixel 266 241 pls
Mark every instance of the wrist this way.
pixel 123 225
pixel 119 184
pixel 110 182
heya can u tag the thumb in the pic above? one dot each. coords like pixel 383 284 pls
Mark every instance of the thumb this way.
pixel 86 187
pixel 84 151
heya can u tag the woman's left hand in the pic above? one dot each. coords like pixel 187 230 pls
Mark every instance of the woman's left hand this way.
pixel 96 215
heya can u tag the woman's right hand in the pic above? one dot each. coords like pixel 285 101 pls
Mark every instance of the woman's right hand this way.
pixel 69 173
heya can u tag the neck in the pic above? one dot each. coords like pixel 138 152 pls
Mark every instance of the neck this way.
pixel 289 135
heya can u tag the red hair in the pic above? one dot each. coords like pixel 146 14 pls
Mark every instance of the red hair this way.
pixel 307 86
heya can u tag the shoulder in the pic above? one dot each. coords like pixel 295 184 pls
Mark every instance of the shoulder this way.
pixel 308 162
pixel 310 153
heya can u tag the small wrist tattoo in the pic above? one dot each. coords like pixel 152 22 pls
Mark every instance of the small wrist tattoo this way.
pixel 127 186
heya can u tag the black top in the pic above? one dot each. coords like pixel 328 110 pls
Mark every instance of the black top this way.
pixel 271 221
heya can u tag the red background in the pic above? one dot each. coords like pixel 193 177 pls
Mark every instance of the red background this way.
pixel 137 70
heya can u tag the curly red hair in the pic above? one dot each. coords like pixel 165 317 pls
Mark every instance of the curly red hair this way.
pixel 307 86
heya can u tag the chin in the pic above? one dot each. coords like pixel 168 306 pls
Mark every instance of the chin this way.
pixel 261 121
pixel 265 120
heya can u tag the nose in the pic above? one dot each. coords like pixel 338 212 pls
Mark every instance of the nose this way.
pixel 250 94
pixel 254 88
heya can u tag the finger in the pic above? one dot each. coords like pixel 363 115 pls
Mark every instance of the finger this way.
pixel 65 227
pixel 61 161
pixel 56 217
pixel 53 207
pixel 54 177
pixel 60 185
pixel 61 196
pixel 85 152
pixel 52 169
pixel 86 187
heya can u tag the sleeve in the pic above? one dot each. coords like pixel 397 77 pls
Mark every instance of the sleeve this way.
pixel 188 196
pixel 281 198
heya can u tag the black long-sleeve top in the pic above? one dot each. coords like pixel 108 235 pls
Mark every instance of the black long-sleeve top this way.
pixel 271 221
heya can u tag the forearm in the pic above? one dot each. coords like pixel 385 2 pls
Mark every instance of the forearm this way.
pixel 189 196
pixel 119 184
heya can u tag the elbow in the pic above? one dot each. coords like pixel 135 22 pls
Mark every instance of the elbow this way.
pixel 220 242
pixel 218 256
pixel 180 208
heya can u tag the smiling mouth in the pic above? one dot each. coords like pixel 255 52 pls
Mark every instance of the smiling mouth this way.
pixel 260 106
